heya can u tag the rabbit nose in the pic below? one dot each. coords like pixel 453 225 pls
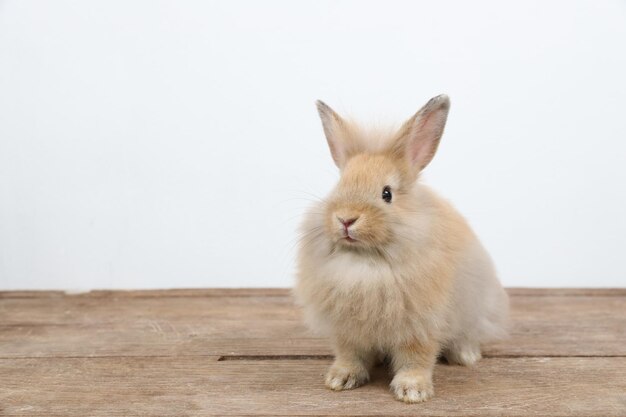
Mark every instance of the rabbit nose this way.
pixel 347 223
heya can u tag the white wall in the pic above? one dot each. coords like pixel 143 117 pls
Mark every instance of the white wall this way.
pixel 175 144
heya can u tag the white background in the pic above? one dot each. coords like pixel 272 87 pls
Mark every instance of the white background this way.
pixel 175 144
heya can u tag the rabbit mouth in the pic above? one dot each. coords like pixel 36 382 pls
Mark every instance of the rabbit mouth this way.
pixel 348 237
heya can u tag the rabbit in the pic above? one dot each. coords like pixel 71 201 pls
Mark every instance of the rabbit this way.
pixel 387 268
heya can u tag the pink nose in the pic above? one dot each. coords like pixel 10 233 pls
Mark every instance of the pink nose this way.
pixel 347 223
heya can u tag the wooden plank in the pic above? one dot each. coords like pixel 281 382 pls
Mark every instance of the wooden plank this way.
pixel 199 386
pixel 271 325
pixel 90 310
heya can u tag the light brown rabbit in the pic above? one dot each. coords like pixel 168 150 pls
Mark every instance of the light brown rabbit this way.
pixel 387 267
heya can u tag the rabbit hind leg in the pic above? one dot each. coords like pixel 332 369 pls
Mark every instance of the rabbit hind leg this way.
pixel 462 352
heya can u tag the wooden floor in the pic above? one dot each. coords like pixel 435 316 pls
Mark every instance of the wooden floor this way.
pixel 246 352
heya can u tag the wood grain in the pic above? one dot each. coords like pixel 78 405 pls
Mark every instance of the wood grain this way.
pixel 246 352
pixel 203 386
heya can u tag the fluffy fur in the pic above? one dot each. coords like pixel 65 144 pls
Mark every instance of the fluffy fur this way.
pixel 408 279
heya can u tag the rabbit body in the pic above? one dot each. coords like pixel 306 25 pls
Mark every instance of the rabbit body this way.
pixel 405 278
pixel 440 284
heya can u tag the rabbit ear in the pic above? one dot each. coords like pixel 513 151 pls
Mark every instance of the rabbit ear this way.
pixel 336 132
pixel 419 137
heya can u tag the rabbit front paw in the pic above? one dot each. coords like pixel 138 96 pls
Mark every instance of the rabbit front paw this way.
pixel 346 376
pixel 412 386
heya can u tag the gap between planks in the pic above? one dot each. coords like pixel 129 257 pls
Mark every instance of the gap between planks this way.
pixel 295 357
pixel 280 292
pixel 327 357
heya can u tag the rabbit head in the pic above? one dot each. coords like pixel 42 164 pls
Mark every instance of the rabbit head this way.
pixel 374 194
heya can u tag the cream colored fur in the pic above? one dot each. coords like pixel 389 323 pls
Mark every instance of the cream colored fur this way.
pixel 413 281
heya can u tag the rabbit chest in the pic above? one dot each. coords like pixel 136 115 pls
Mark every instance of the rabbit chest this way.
pixel 370 302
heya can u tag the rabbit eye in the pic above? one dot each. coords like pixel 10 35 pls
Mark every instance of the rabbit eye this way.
pixel 387 194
